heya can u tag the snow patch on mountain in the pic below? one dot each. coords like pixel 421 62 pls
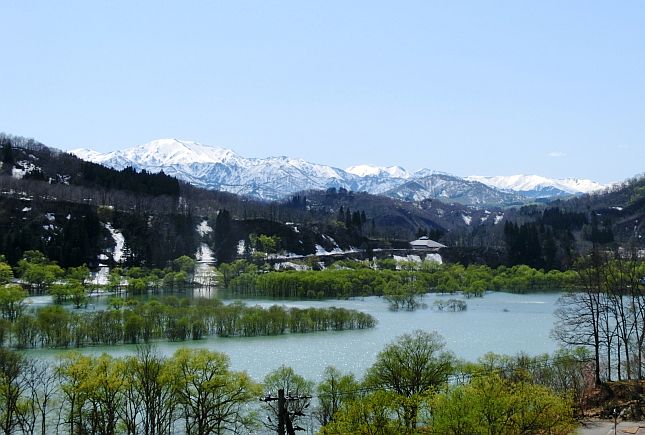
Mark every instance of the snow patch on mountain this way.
pixel 23 168
pixel 101 276
pixel 289 265
pixel 203 228
pixel 241 247
pixel 378 171
pixel 204 254
pixel 527 183
pixel 119 242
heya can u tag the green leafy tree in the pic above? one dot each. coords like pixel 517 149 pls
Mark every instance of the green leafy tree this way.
pixel 71 290
pixel 115 279
pixel 494 405
pixel 211 397
pixel 386 264
pixel 25 332
pixel 168 281
pixel 80 274
pixel 12 386
pixel 334 391
pixel 137 286
pixel 37 272
pixel 268 244
pixel 378 413
pixel 73 370
pixel 230 271
pixel 135 272
pixel 12 298
pixel 411 366
pixel 54 323
pixel 132 326
pixel 186 265
pixel 60 293
pixel 6 274
pixel 103 387
pixel 150 382
pixel 405 296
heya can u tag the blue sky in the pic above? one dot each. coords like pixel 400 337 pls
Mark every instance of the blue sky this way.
pixel 492 88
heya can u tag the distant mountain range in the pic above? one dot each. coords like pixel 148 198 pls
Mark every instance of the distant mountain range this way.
pixel 275 178
pixel 536 186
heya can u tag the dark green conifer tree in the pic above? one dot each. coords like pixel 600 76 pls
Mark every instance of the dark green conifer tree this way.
pixel 7 152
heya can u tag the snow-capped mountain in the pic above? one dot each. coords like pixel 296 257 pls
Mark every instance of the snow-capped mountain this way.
pixel 378 171
pixel 536 186
pixel 160 153
pixel 222 169
pixel 275 178
pixel 454 189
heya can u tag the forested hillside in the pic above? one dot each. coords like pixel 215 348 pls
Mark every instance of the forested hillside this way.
pixel 550 236
pixel 76 212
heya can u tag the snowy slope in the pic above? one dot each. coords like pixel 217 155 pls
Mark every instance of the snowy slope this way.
pixel 222 169
pixel 534 185
pixel 450 188
pixel 275 178
pixel 378 171
pixel 162 152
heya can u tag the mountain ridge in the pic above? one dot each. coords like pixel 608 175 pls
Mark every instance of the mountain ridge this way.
pixel 274 178
pixel 526 183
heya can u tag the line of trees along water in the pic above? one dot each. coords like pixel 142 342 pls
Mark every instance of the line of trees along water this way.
pixel 129 321
pixel 169 318
pixel 415 386
pixel 343 279
pixel 399 282
pixel 604 310
pixel 133 321
pixel 351 278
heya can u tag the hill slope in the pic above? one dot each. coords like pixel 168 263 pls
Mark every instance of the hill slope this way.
pixel 45 194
